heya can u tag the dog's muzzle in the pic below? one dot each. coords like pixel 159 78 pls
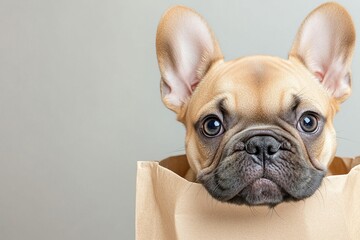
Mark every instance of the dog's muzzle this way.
pixel 262 167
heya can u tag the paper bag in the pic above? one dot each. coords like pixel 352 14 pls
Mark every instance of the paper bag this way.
pixel 172 208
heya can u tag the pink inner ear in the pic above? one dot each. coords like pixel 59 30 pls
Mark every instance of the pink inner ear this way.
pixel 324 52
pixel 194 85
pixel 337 79
pixel 319 75
pixel 189 51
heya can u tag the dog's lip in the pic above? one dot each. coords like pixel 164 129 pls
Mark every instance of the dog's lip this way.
pixel 263 183
pixel 262 191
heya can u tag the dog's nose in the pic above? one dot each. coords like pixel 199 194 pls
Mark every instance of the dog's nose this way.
pixel 262 147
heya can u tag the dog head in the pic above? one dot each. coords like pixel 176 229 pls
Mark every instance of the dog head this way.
pixel 259 129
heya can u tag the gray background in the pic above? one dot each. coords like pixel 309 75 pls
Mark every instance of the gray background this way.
pixel 80 104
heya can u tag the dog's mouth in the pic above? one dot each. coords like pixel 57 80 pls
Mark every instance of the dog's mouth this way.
pixel 261 167
pixel 261 192
pixel 268 169
pixel 244 182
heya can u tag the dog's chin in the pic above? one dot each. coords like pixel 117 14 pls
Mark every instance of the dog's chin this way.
pixel 261 192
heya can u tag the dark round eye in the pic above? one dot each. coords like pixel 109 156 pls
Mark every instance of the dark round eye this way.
pixel 212 127
pixel 308 122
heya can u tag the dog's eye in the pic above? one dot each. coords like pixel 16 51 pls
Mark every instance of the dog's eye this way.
pixel 308 123
pixel 212 127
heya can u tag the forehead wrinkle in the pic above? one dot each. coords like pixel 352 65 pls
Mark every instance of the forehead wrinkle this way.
pixel 290 110
pixel 310 98
pixel 295 103
pixel 210 107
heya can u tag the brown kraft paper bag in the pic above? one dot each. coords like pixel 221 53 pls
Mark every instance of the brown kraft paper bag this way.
pixel 170 207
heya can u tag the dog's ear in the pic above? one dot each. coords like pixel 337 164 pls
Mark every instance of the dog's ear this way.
pixel 325 45
pixel 186 48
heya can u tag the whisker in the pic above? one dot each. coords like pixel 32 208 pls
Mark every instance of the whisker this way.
pixel 274 210
pixel 253 210
pixel 190 185
pixel 347 139
pixel 322 196
pixel 182 149
pixel 301 92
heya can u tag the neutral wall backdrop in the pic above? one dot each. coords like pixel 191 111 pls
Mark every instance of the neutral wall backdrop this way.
pixel 80 104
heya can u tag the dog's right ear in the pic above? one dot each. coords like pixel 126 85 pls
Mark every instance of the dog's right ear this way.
pixel 186 49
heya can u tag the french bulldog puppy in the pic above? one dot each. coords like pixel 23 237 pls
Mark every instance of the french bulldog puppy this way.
pixel 259 129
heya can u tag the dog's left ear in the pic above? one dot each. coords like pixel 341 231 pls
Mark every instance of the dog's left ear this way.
pixel 325 44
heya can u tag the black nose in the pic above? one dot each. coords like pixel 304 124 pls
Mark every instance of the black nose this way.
pixel 262 147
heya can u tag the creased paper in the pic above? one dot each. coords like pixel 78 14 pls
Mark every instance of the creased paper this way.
pixel 169 207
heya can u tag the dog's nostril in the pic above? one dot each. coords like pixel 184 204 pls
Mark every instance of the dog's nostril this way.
pixel 262 145
pixel 271 150
pixel 252 148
